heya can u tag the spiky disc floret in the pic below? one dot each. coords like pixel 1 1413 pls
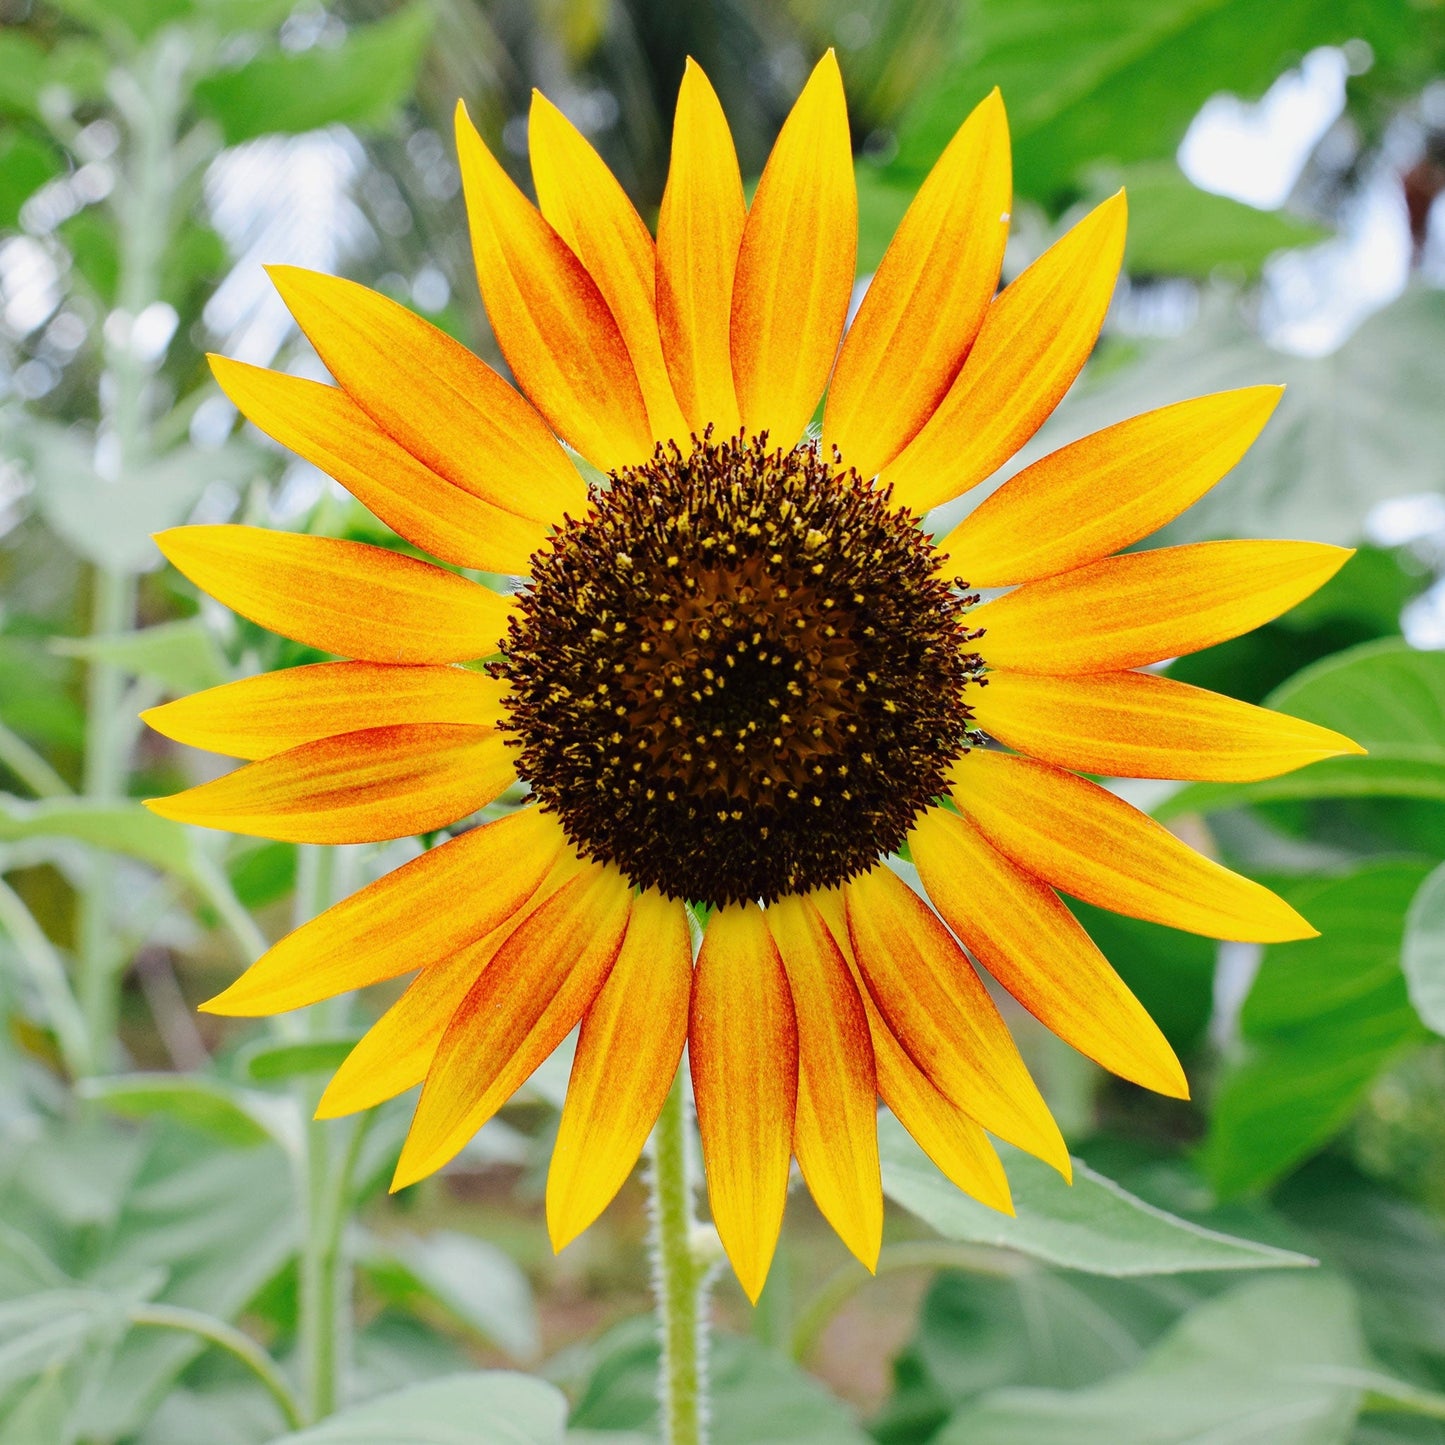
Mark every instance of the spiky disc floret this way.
pixel 741 675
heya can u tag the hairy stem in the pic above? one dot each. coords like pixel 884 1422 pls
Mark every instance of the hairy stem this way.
pixel 681 1279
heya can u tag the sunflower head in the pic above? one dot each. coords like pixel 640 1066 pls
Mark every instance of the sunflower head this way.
pixel 740 674
pixel 740 671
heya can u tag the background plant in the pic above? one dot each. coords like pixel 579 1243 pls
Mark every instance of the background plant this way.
pixel 184 1255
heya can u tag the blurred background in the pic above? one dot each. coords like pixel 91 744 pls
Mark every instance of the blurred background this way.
pixel 184 1257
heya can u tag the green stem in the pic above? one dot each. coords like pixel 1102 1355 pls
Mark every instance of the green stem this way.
pixel 149 102
pixel 324 1283
pixel 680 1279
pixel 47 972
pixel 27 765
pixel 226 1337
pixel 840 1287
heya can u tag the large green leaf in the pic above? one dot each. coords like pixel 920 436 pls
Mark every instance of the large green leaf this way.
pixel 1175 229
pixel 1091 1225
pixel 1355 427
pixel 1422 956
pixel 470 1279
pixel 1323 1018
pixel 183 656
pixel 360 83
pixel 1274 1362
pixel 1120 80
pixel 502 1408
pixel 239 1117
pixel 118 827
pixel 1386 695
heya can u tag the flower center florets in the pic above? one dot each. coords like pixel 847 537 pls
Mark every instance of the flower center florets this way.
pixel 740 675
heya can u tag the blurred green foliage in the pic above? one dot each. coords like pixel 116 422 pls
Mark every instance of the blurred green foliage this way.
pixel 172 1225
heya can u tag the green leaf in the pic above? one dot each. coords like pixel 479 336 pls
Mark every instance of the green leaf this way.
pixel 182 656
pixel 360 83
pixel 241 1118
pixel 1422 955
pixel 476 1282
pixel 1274 1361
pixel 507 1409
pixel 26 163
pixel 1120 80
pixel 1323 1018
pixel 1354 428
pixel 1386 695
pixel 268 1062
pixel 1093 1225
pixel 1175 229
pixel 117 827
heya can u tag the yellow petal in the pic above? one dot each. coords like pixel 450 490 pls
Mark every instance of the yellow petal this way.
pixel 550 320
pixel 627 1056
pixel 529 997
pixel 272 712
pixel 835 1130
pixel 343 597
pixel 1081 838
pixel 1035 338
pixel 699 230
pixel 743 1047
pixel 581 199
pixel 1107 490
pixel 362 787
pixel 446 407
pixel 957 1145
pixel 1145 606
pixel 423 911
pixel 1137 725
pixel 1035 948
pixel 933 1001
pixel 927 300
pixel 323 425
pixel 396 1051
pixel 796 264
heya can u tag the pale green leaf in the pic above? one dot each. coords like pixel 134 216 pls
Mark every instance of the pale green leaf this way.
pixel 510 1409
pixel 1422 955
pixel 182 656
pixel 1091 1225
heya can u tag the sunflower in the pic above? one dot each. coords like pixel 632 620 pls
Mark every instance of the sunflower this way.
pixel 741 674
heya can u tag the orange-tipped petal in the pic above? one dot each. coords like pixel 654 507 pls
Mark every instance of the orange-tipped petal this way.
pixel 1145 606
pixel 1108 490
pixel 699 230
pixel 526 1000
pixel 550 319
pixel 1035 948
pixel 396 1051
pixel 273 712
pixel 796 264
pixel 423 911
pixel 581 199
pixel 446 407
pixel 943 1131
pixel 627 1056
pixel 1095 846
pixel 1035 338
pixel 1137 725
pixel 927 300
pixel 323 425
pixel 939 1010
pixel 362 787
pixel 344 597
pixel 835 1130
pixel 743 1047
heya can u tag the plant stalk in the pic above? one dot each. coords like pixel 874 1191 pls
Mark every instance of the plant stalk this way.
pixel 680 1277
